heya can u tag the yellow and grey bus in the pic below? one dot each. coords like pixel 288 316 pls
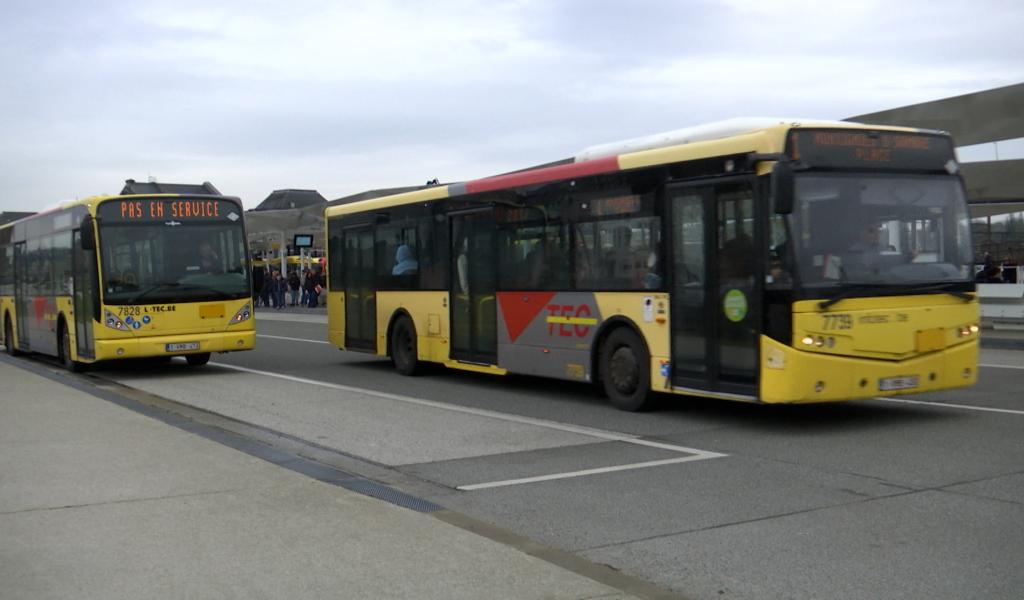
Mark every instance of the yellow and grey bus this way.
pixel 127 277
pixel 753 260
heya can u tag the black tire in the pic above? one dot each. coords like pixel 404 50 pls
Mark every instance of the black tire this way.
pixel 64 350
pixel 197 360
pixel 9 337
pixel 625 371
pixel 403 347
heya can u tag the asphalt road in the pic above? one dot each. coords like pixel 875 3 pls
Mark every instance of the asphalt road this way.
pixel 712 499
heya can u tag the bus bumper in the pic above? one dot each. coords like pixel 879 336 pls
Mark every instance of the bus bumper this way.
pixel 148 347
pixel 789 375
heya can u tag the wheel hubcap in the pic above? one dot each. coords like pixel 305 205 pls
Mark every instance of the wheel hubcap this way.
pixel 404 344
pixel 623 370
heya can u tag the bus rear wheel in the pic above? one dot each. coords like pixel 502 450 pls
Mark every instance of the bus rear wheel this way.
pixel 403 347
pixel 625 371
pixel 197 360
pixel 64 351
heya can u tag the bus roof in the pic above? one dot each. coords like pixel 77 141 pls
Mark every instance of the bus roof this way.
pixel 723 138
pixel 93 201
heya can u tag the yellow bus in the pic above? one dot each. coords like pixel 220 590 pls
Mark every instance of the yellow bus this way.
pixel 753 260
pixel 128 277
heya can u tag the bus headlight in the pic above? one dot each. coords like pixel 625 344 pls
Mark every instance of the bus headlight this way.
pixel 112 321
pixel 967 330
pixel 243 314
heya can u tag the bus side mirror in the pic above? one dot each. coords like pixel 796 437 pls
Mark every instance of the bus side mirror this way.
pixel 782 187
pixel 88 233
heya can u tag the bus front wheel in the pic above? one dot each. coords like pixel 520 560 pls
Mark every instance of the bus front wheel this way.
pixel 625 370
pixel 197 360
pixel 9 337
pixel 403 347
pixel 65 351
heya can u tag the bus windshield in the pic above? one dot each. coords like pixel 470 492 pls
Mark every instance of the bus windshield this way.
pixel 879 230
pixel 153 262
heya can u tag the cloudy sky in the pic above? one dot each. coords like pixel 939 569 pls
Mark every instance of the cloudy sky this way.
pixel 342 96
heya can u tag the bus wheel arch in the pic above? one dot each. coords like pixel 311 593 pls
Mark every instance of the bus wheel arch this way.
pixel 403 347
pixel 623 365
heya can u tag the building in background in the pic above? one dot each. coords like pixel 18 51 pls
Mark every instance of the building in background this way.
pixel 154 187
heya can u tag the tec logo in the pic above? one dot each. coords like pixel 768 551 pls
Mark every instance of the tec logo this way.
pixel 562 316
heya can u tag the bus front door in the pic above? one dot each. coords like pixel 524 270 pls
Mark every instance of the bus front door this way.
pixel 714 292
pixel 472 288
pixel 83 270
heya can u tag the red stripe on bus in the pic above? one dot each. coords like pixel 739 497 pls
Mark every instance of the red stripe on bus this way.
pixel 591 167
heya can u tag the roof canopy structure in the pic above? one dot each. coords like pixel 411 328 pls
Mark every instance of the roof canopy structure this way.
pixel 982 117
pixel 11 216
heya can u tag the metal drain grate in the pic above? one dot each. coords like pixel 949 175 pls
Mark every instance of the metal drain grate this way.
pixel 383 492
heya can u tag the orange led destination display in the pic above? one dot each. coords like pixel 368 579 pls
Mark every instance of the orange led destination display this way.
pixel 839 148
pixel 131 210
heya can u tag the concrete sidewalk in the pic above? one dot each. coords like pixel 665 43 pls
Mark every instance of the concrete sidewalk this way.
pixel 99 501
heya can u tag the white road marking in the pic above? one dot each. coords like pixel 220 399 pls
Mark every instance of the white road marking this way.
pixel 694 453
pixel 1000 366
pixel 291 339
pixel 629 467
pixel 961 406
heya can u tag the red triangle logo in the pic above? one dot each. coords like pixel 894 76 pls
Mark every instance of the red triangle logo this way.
pixel 520 309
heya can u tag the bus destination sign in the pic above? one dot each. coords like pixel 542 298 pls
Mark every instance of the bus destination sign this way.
pixel 138 210
pixel 851 148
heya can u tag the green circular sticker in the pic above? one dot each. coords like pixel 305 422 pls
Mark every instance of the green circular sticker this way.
pixel 735 305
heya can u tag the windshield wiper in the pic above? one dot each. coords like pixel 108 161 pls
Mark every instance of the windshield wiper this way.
pixel 850 290
pixel 941 287
pixel 156 286
pixel 890 287
pixel 177 285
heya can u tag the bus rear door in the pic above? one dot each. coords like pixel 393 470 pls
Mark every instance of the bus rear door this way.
pixel 360 289
pixel 21 299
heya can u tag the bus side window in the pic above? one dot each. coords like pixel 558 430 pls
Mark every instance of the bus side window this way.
pixel 619 254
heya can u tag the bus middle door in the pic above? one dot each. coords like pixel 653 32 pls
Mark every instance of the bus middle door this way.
pixel 472 287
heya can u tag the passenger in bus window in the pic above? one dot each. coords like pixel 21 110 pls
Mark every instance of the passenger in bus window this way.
pixel 621 257
pixel 868 241
pixel 209 262
pixel 462 267
pixel 652 279
pixel 405 262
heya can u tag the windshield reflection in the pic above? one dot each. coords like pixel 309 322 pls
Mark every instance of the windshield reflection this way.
pixel 879 230
pixel 146 264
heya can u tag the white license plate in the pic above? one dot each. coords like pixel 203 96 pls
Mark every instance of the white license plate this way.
pixel 888 384
pixel 182 346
